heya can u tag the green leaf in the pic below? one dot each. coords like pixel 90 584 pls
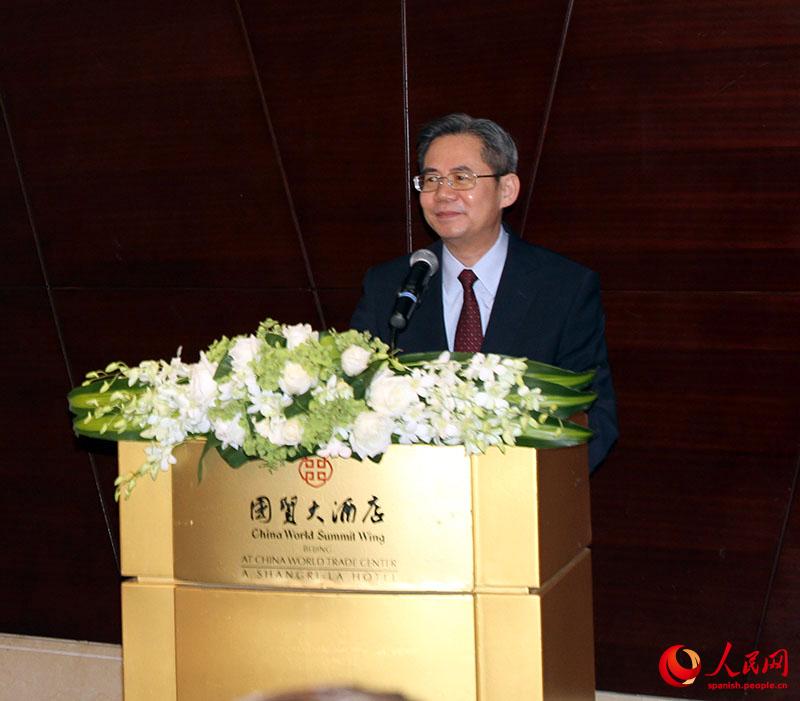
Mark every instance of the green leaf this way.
pixel 224 368
pixel 102 428
pixel 361 382
pixel 274 339
pixel 94 387
pixel 534 369
pixel 414 359
pixel 559 376
pixel 84 401
pixel 554 434
pixel 567 401
pixel 233 456
pixel 299 405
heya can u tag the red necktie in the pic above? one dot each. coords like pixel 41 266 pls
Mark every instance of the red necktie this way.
pixel 469 333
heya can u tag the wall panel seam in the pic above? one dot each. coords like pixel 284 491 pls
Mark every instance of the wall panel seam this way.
pixel 778 550
pixel 546 117
pixel 406 126
pixel 281 169
pixel 53 312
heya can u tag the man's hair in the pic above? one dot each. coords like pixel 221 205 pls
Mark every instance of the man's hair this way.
pixel 498 148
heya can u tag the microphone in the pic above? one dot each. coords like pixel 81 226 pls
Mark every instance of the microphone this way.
pixel 424 265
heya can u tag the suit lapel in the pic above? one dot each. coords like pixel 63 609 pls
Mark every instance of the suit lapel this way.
pixel 515 293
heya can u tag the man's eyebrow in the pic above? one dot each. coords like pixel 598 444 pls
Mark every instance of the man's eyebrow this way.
pixel 452 170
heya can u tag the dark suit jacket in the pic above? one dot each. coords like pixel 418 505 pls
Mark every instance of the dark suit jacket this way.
pixel 547 308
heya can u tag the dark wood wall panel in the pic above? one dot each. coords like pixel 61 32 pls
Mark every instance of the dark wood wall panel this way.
pixel 144 147
pixel 671 220
pixel 703 321
pixel 338 305
pixel 669 166
pixel 20 263
pixel 674 142
pixel 152 323
pixel 684 542
pixel 486 63
pixel 614 27
pixel 59 577
pixel 782 623
pixel 332 76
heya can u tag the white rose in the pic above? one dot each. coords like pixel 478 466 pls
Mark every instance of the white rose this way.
pixel 389 394
pixel 372 434
pixel 243 351
pixel 355 360
pixel 231 433
pixel 262 428
pixel 284 431
pixel 294 379
pixel 202 387
pixel 297 334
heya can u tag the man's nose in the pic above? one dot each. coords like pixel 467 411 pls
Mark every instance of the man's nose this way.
pixel 444 191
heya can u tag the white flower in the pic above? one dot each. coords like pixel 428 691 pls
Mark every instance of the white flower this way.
pixel 202 387
pixel 482 367
pixel 231 391
pixel 281 431
pixel 389 394
pixel 243 351
pixel 335 448
pixel 371 435
pixel 331 390
pixel 355 360
pixel 267 403
pixel 160 455
pixel 297 334
pixel 231 432
pixel 294 379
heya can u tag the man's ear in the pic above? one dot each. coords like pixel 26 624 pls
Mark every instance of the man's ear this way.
pixel 509 189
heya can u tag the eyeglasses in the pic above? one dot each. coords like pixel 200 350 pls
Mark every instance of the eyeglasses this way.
pixel 457 180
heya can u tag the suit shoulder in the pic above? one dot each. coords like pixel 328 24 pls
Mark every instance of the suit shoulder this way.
pixel 551 261
pixel 393 271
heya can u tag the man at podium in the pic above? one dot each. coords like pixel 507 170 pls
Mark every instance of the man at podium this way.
pixel 491 291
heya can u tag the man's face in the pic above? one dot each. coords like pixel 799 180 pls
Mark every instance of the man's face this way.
pixel 465 218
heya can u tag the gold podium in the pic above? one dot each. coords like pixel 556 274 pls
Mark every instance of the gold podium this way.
pixel 434 574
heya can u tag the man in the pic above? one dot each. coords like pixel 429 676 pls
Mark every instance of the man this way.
pixel 493 292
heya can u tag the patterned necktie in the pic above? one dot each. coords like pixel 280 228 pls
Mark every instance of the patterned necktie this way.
pixel 469 333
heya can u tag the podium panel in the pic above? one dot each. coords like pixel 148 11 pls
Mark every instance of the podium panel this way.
pixel 434 574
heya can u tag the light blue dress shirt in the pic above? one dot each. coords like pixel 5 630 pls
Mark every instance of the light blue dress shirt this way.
pixel 488 269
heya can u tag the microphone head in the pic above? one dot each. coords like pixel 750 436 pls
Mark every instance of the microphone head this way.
pixel 425 255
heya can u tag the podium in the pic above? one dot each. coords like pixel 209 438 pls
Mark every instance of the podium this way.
pixel 438 575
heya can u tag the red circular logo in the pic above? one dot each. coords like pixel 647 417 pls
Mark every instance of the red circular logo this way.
pixel 673 672
pixel 315 471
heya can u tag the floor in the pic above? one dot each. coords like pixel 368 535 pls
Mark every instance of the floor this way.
pixel 68 670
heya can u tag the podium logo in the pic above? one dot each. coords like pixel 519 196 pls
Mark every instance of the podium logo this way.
pixel 316 471
pixel 676 672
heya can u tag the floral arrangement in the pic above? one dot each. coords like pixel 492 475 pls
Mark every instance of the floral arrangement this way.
pixel 288 392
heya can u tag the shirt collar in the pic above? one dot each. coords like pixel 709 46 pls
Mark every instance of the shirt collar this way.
pixel 488 269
